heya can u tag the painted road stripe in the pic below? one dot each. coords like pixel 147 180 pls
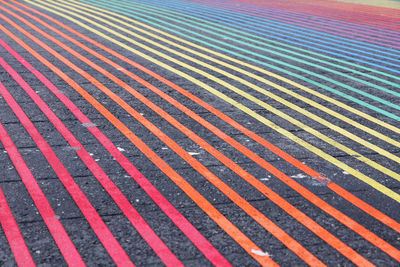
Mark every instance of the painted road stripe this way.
pixel 229 35
pixel 236 198
pixel 209 251
pixel 392 194
pixel 246 25
pixel 203 203
pixel 301 217
pixel 310 224
pixel 306 113
pixel 329 26
pixel 220 156
pixel 313 34
pixel 10 227
pixel 99 227
pixel 259 46
pixel 329 13
pixel 203 11
pixel 123 203
pixel 368 3
pixel 365 9
pixel 180 54
pixel 336 188
pixel 334 27
pixel 358 101
pixel 64 243
pixel 254 251
pixel 306 38
pixel 313 103
pixel 274 67
pixel 263 25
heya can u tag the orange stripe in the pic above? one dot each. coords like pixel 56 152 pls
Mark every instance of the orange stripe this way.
pixel 103 233
pixel 301 217
pixel 207 207
pixel 295 162
pixel 235 197
pixel 328 237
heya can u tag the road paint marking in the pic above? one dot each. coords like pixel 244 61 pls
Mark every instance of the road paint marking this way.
pixel 123 203
pixel 337 189
pixel 11 230
pixel 383 189
pixel 61 238
pixel 184 225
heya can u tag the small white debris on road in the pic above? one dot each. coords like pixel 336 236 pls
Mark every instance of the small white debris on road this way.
pixel 260 253
pixel 299 176
pixel 89 124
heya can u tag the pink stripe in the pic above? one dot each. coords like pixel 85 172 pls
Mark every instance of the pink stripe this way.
pixel 296 17
pixel 56 229
pixel 123 203
pixel 17 243
pixel 99 227
pixel 310 11
pixel 373 20
pixel 386 14
pixel 291 17
pixel 269 16
pixel 182 223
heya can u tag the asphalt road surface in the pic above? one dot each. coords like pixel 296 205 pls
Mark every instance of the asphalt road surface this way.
pixel 199 133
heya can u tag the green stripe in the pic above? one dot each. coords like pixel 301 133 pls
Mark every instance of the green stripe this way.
pixel 269 65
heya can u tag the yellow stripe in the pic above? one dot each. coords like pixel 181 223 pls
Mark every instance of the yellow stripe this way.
pixel 250 97
pixel 304 88
pixel 279 99
pixel 388 192
pixel 379 3
pixel 261 79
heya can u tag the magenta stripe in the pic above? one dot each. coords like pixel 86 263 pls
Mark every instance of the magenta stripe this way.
pixel 64 243
pixel 318 12
pixel 181 222
pixel 280 19
pixel 335 11
pixel 99 227
pixel 123 203
pixel 14 237
pixel 339 26
pixel 294 16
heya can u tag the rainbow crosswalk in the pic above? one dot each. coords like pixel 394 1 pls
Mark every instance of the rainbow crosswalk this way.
pixel 198 132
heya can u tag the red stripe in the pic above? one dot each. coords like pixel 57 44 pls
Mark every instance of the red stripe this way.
pixel 17 243
pixel 182 223
pixel 99 227
pixel 56 229
pixel 123 203
pixel 334 187
pixel 315 11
